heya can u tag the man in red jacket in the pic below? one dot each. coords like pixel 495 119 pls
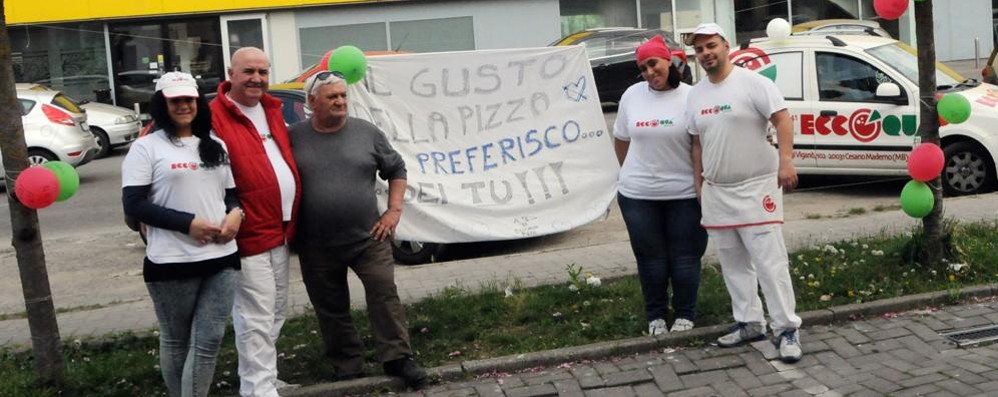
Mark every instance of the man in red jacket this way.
pixel 249 121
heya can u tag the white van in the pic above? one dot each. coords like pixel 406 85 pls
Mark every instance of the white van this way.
pixel 855 105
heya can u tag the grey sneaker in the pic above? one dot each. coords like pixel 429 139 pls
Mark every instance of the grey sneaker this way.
pixel 681 324
pixel 788 343
pixel 657 327
pixel 741 334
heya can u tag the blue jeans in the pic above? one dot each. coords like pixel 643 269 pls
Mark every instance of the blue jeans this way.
pixel 668 243
pixel 192 316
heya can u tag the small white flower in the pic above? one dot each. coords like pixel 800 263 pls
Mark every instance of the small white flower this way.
pixel 508 291
pixel 831 249
pixel 86 359
pixel 825 298
pixel 800 257
pixel 556 314
pixel 866 246
pixel 593 281
pixel 810 275
pixel 877 253
pixel 586 303
pixel 957 267
pixel 573 287
pixel 77 342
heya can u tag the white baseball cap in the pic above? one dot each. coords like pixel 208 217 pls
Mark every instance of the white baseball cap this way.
pixel 706 29
pixel 177 84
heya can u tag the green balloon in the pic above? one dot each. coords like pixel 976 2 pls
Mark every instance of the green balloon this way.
pixel 916 199
pixel 349 61
pixel 69 179
pixel 954 108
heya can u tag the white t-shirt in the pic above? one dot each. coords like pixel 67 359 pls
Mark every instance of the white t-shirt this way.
pixel 731 118
pixel 178 182
pixel 658 165
pixel 285 178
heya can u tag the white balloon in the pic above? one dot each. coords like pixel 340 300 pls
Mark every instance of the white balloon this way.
pixel 778 28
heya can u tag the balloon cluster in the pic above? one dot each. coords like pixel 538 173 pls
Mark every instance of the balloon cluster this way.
pixel 39 187
pixel 348 60
pixel 925 163
pixel 890 9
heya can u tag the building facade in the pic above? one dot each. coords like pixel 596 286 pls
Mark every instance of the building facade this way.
pixel 114 51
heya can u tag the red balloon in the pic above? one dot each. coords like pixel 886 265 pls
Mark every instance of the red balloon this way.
pixel 890 9
pixel 926 162
pixel 324 62
pixel 37 187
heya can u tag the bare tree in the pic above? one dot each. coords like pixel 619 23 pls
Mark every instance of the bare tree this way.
pixel 27 242
pixel 932 247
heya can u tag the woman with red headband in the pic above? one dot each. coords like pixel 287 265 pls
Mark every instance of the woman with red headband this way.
pixel 656 193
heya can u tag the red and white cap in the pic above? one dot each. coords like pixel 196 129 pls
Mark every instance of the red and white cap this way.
pixel 177 84
pixel 706 29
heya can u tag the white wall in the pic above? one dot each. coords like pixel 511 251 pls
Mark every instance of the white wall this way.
pixel 957 23
pixel 283 45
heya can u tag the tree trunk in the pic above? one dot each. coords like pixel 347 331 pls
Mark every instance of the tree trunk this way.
pixel 45 343
pixel 933 248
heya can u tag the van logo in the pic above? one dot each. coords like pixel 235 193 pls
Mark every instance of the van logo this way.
pixel 755 60
pixel 863 125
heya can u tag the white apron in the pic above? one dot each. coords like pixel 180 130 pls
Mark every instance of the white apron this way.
pixel 756 201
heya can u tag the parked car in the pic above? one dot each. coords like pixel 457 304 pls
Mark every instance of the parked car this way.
pixel 840 27
pixel 611 54
pixel 855 105
pixel 55 128
pixel 112 126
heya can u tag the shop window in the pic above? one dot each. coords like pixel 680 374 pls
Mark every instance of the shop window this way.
pixel 432 35
pixel 70 58
pixel 752 16
pixel 315 42
pixel 578 15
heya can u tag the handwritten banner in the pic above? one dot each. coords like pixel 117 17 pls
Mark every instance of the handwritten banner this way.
pixel 499 144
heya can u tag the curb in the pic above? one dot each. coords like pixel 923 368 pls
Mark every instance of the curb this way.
pixel 512 363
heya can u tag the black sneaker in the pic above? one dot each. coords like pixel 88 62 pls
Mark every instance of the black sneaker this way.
pixel 407 369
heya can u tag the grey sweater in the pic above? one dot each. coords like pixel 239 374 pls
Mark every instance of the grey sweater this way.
pixel 337 170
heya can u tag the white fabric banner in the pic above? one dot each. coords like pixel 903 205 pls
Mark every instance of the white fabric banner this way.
pixel 499 144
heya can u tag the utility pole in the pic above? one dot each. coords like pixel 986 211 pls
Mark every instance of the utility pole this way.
pixel 932 227
pixel 27 242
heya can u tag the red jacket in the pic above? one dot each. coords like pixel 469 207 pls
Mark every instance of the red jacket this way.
pixel 256 183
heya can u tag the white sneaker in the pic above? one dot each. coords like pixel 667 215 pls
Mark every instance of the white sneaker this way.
pixel 741 334
pixel 681 325
pixel 657 327
pixel 788 344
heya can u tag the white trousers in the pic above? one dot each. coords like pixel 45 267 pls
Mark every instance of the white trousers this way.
pixel 258 313
pixel 753 256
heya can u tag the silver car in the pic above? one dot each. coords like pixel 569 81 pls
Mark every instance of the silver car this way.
pixel 55 127
pixel 112 126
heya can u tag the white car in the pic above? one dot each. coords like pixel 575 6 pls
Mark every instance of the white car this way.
pixel 112 126
pixel 55 127
pixel 855 105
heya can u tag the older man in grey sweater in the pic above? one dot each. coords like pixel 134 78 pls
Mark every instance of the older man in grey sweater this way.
pixel 340 227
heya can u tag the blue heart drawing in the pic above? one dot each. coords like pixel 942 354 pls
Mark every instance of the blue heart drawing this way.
pixel 576 91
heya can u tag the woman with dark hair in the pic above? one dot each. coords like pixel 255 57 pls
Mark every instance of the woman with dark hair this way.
pixel 656 194
pixel 177 181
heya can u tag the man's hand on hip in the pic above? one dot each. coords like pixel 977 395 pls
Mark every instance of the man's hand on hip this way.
pixel 385 227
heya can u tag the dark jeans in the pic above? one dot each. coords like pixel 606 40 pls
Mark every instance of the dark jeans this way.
pixel 668 243
pixel 324 271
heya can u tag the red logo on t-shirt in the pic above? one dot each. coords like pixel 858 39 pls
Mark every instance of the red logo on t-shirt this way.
pixel 768 204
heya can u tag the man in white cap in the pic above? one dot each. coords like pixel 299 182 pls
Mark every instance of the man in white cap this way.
pixel 740 179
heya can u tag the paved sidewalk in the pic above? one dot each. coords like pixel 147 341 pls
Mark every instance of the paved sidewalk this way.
pixel 533 268
pixel 897 354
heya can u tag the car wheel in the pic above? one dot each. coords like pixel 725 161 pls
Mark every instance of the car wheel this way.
pixel 103 142
pixel 415 252
pixel 39 157
pixel 968 169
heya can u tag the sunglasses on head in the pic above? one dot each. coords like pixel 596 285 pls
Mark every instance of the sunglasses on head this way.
pixel 322 76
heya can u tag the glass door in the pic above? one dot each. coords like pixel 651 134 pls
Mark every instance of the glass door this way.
pixel 247 30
